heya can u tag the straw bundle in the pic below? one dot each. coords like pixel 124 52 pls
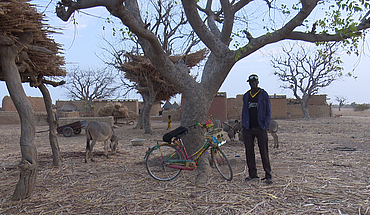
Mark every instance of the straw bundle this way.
pixel 113 109
pixel 18 17
pixel 122 112
pixel 139 69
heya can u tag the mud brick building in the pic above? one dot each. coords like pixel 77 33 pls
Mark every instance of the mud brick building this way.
pixel 222 108
pixel 37 103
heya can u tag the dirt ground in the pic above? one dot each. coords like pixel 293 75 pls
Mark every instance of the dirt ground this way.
pixel 321 167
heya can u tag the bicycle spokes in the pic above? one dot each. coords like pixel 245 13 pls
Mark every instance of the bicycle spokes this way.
pixel 222 163
pixel 158 159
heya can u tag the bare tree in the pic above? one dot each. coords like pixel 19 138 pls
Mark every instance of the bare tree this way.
pixel 341 100
pixel 216 23
pixel 306 69
pixel 90 84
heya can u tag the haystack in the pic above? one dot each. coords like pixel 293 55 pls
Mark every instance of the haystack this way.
pixel 42 57
pixel 113 109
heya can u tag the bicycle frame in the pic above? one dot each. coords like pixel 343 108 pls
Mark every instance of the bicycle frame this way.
pixel 191 161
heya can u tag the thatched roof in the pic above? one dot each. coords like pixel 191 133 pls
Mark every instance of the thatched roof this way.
pixel 167 106
pixel 141 64
pixel 176 106
pixel 18 17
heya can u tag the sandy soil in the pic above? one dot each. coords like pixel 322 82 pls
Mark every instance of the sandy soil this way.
pixel 321 167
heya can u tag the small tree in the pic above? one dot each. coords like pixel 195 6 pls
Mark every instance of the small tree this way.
pixel 89 84
pixel 341 100
pixel 305 70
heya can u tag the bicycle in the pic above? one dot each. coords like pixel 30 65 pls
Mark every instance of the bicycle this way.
pixel 165 161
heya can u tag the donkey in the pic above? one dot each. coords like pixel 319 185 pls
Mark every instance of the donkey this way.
pixel 100 131
pixel 237 127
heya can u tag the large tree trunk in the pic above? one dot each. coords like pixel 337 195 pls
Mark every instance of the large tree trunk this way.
pixel 196 107
pixel 149 95
pixel 304 105
pixel 53 123
pixel 146 109
pixel 139 124
pixel 28 164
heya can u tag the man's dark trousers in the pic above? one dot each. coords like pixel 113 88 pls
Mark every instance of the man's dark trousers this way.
pixel 249 135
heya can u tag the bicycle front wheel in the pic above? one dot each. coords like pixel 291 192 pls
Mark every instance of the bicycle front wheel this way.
pixel 157 160
pixel 222 163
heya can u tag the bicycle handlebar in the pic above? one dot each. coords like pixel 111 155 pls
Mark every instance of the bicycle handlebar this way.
pixel 197 124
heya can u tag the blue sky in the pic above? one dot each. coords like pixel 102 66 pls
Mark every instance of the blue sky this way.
pixel 83 42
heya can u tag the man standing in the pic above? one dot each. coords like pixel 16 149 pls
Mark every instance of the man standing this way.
pixel 256 117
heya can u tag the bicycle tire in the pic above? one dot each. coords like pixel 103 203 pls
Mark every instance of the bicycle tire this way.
pixel 156 162
pixel 222 164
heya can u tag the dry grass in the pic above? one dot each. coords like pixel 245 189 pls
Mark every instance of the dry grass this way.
pixel 310 175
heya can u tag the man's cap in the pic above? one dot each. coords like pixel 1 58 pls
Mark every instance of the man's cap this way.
pixel 252 77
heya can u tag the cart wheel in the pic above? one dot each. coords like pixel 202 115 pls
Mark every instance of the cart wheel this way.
pixel 77 131
pixel 67 131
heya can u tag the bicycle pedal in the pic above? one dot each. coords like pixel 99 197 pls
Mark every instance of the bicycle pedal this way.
pixel 191 164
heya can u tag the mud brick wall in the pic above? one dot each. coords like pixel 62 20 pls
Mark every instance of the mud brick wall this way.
pixel 278 106
pixel 155 108
pixel 315 111
pixel 69 114
pixel 231 102
pixel 37 103
pixel 175 115
pixel 131 104
pixel 12 117
pixel 60 103
pixel 235 107
pixel 239 100
pixel 219 107
pixel 69 120
pixel 317 100
pixel 234 112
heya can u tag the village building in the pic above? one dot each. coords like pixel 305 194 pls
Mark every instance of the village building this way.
pixel 222 108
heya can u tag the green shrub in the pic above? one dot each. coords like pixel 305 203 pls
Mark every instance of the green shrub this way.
pixel 362 107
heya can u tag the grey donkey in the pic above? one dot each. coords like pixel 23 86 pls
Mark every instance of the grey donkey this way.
pixel 232 130
pixel 100 131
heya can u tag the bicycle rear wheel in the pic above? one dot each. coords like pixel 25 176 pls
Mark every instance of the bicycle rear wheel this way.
pixel 222 163
pixel 157 160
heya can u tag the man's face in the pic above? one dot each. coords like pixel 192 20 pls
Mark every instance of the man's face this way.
pixel 253 84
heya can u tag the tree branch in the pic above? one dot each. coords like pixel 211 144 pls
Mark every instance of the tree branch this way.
pixel 210 40
pixel 66 8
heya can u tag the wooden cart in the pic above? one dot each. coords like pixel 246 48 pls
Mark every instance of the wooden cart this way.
pixel 73 128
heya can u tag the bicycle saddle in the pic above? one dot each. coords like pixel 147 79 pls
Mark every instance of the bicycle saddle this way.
pixel 178 132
